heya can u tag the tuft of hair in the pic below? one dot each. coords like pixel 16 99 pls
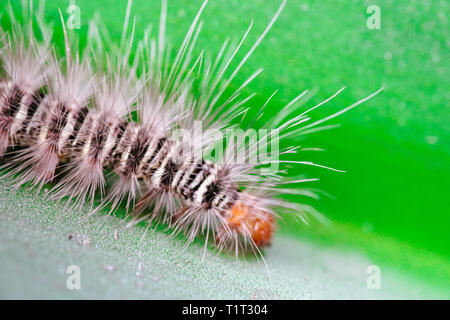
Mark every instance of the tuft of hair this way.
pixel 23 72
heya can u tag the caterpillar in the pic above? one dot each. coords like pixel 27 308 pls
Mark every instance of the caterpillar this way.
pixel 134 127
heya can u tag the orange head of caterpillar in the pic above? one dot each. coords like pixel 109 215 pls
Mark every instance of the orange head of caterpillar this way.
pixel 246 224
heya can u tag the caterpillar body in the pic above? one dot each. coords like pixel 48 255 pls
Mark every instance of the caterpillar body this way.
pixel 63 122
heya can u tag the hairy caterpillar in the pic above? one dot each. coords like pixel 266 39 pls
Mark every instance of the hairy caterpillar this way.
pixel 69 120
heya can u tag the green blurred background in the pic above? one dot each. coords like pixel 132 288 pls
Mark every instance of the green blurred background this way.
pixel 393 201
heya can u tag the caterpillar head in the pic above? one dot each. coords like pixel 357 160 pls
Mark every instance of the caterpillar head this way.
pixel 247 224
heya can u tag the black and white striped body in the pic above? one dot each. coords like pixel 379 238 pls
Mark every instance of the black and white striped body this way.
pixel 78 132
pixel 17 107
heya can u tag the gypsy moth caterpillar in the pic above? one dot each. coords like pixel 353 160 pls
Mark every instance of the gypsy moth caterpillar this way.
pixel 69 119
